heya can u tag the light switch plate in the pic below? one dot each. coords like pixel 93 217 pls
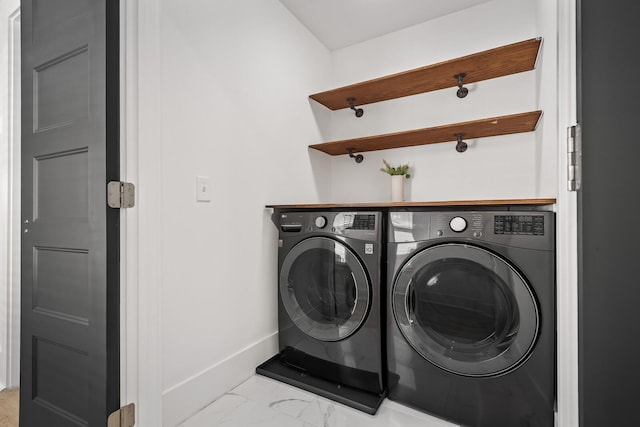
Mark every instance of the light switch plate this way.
pixel 203 188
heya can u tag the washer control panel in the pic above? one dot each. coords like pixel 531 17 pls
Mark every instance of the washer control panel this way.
pixel 354 221
pixel 321 221
pixel 360 225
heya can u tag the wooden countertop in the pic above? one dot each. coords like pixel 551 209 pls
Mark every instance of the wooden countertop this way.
pixel 498 202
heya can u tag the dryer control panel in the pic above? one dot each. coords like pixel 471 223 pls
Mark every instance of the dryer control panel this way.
pixel 532 225
pixel 531 229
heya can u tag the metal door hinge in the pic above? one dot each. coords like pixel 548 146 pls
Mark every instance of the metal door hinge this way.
pixel 121 194
pixel 574 157
pixel 123 417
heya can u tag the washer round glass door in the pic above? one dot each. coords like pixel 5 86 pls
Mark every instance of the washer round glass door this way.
pixel 324 288
pixel 466 310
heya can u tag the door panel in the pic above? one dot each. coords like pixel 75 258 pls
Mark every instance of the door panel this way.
pixel 57 175
pixel 65 77
pixel 608 109
pixel 70 269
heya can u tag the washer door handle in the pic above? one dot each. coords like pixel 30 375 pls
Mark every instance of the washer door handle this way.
pixel 410 303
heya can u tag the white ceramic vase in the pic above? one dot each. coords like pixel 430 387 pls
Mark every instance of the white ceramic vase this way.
pixel 397 188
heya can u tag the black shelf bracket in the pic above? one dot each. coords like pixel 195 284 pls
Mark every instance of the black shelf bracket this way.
pixel 461 146
pixel 462 91
pixel 358 157
pixel 359 111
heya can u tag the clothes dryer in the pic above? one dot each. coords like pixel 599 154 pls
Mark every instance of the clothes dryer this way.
pixel 329 305
pixel 471 315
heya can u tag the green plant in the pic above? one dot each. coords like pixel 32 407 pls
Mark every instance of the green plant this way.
pixel 398 170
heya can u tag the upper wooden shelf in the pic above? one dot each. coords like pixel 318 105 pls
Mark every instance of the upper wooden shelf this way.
pixel 494 126
pixel 461 203
pixel 501 61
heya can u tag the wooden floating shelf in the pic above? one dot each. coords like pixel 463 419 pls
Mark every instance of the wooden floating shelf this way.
pixel 494 126
pixel 461 203
pixel 501 61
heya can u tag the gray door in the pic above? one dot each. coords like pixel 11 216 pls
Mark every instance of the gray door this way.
pixel 70 289
pixel 608 205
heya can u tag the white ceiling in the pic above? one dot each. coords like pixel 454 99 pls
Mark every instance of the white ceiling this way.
pixel 340 23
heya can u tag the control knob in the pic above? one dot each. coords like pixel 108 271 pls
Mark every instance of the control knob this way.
pixel 321 222
pixel 458 224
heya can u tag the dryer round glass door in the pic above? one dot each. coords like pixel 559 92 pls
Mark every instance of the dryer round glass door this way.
pixel 465 309
pixel 324 288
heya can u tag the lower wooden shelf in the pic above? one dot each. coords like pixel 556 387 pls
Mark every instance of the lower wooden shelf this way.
pixel 461 203
pixel 493 126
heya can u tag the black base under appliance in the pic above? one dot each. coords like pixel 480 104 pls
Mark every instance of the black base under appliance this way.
pixel 471 315
pixel 329 308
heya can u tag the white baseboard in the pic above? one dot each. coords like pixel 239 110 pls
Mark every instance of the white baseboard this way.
pixel 192 395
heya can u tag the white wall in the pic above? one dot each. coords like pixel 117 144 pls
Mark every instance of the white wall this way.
pixel 235 83
pixel 514 166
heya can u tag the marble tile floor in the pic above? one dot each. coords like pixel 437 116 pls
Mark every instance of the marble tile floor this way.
pixel 264 402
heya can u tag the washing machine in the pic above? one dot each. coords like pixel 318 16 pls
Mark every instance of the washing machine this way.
pixel 329 306
pixel 471 315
